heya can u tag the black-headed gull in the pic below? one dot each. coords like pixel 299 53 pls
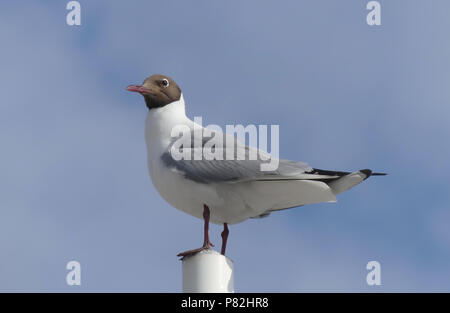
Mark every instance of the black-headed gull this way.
pixel 225 191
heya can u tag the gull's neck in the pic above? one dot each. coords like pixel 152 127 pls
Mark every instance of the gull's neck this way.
pixel 160 121
pixel 174 110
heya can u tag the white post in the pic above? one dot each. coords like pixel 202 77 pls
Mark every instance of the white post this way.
pixel 207 271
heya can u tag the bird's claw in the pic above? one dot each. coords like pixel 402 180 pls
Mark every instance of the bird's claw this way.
pixel 206 246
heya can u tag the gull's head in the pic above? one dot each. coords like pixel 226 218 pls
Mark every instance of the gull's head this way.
pixel 158 91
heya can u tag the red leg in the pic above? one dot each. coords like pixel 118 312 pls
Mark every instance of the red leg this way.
pixel 206 217
pixel 224 237
pixel 207 244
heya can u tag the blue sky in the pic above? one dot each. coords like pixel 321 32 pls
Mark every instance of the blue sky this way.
pixel 347 96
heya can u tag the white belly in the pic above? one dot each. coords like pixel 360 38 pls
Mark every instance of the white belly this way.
pixel 225 201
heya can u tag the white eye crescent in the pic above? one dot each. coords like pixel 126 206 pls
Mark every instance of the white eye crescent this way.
pixel 165 82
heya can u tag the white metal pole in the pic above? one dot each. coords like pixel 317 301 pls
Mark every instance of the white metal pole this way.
pixel 207 271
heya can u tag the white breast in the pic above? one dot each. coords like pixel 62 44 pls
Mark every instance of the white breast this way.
pixel 225 201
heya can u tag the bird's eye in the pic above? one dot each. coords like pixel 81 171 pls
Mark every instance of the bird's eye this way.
pixel 165 82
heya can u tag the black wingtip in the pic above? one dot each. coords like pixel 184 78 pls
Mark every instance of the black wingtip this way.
pixel 369 173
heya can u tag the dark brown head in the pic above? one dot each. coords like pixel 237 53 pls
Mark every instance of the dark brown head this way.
pixel 158 91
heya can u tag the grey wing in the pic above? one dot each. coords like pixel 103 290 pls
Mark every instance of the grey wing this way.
pixel 232 170
pixel 210 171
